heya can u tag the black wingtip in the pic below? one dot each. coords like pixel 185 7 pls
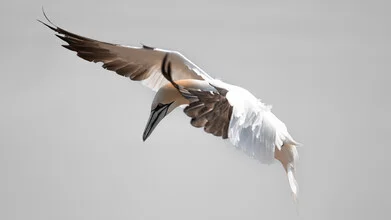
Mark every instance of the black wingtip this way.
pixel 69 47
pixel 44 14
pixel 54 27
pixel 62 37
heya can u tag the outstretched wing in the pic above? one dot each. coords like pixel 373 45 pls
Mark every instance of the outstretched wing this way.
pixel 209 109
pixel 137 63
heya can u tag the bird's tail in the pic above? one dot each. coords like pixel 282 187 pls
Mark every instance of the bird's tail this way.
pixel 288 156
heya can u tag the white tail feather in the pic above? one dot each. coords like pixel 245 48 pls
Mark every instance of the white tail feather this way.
pixel 288 157
pixel 292 181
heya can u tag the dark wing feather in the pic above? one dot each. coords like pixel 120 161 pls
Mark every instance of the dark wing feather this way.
pixel 208 109
pixel 137 63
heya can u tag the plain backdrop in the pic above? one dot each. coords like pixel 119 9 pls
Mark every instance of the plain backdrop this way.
pixel 70 131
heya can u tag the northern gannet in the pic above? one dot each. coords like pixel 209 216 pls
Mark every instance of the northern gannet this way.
pixel 220 108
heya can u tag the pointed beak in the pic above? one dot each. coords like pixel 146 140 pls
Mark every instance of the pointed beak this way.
pixel 156 116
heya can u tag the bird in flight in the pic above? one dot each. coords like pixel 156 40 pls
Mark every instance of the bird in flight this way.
pixel 222 109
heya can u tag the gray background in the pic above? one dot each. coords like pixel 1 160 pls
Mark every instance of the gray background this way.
pixel 70 131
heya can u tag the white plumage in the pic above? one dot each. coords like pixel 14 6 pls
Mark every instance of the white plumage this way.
pixel 255 130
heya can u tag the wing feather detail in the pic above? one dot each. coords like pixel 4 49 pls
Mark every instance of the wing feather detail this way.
pixel 137 63
pixel 209 109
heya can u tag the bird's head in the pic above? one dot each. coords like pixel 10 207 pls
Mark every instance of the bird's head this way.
pixel 166 100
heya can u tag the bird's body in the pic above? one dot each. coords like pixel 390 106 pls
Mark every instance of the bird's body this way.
pixel 220 108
